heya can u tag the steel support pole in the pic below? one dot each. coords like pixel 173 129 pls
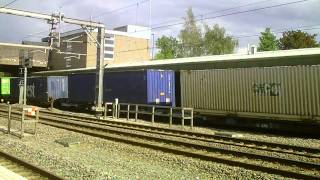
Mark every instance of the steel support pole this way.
pixel 30 14
pixel 25 86
pixel 100 71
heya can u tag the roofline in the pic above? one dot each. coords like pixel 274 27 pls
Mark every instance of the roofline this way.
pixel 259 56
pixel 25 46
pixel 119 33
pixel 226 57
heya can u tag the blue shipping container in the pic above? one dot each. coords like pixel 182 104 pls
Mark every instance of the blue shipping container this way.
pixel 82 88
pixel 161 87
pixel 140 87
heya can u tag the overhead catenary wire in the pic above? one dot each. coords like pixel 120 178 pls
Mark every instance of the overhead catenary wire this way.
pixel 8 4
pixel 216 12
pixel 225 15
pixel 238 37
pixel 96 16
pixel 119 9
pixel 234 13
pixel 219 16
pixel 229 14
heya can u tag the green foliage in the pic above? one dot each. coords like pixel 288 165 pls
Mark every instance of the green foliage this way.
pixel 217 42
pixel 297 39
pixel 168 47
pixel 268 41
pixel 192 42
pixel 190 37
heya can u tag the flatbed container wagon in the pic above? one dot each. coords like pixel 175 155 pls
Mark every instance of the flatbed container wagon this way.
pixel 39 89
pixel 289 93
pixel 135 87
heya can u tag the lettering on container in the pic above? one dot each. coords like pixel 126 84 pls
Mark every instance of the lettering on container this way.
pixel 267 89
pixel 30 91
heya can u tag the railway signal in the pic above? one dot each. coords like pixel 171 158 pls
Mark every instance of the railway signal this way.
pixel 27 63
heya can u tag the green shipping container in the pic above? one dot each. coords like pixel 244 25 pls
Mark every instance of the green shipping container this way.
pixel 5 86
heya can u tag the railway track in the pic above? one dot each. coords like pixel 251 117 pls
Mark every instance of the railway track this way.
pixel 191 144
pixel 24 168
pixel 240 142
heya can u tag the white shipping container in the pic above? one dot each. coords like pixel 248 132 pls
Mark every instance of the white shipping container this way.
pixel 291 92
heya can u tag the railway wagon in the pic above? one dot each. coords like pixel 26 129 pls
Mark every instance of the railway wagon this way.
pixel 135 87
pixel 39 89
pixel 278 93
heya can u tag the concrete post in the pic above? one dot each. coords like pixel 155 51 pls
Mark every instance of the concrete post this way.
pixel 182 119
pixel 9 118
pixel 128 111
pixel 136 113
pixel 170 117
pixel 25 86
pixel 153 113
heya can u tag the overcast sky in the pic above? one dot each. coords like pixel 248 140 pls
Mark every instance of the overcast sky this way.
pixel 117 13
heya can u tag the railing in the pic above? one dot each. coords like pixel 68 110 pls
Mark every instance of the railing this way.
pixel 29 115
pixel 110 107
pixel 153 110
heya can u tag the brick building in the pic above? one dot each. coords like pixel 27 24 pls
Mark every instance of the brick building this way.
pixel 11 54
pixel 124 44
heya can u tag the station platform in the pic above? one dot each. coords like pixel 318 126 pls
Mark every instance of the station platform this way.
pixel 6 174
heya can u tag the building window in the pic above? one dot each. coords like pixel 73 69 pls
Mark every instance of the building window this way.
pixel 68 62
pixel 109 36
pixel 108 48
pixel 69 47
pixel 106 55
pixel 107 41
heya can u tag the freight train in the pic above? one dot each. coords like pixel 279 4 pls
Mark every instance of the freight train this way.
pixel 78 90
pixel 277 93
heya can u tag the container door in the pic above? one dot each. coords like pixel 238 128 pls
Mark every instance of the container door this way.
pixel 161 87
pixel 58 87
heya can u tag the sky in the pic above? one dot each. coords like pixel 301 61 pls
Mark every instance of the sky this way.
pixel 230 14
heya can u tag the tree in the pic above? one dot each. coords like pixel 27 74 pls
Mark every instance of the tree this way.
pixel 191 37
pixel 168 47
pixel 217 42
pixel 193 42
pixel 297 39
pixel 268 41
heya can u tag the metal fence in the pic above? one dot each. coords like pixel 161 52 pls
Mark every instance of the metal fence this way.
pixel 152 110
pixel 29 115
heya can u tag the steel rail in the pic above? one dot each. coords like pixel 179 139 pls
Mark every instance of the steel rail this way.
pixel 205 137
pixel 28 167
pixel 191 150
pixel 96 130
pixel 192 134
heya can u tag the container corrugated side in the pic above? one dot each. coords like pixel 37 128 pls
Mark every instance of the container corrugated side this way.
pixel 127 86
pixel 293 90
pixel 14 87
pixel 161 87
pixel 37 89
pixel 58 87
pixel 82 88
